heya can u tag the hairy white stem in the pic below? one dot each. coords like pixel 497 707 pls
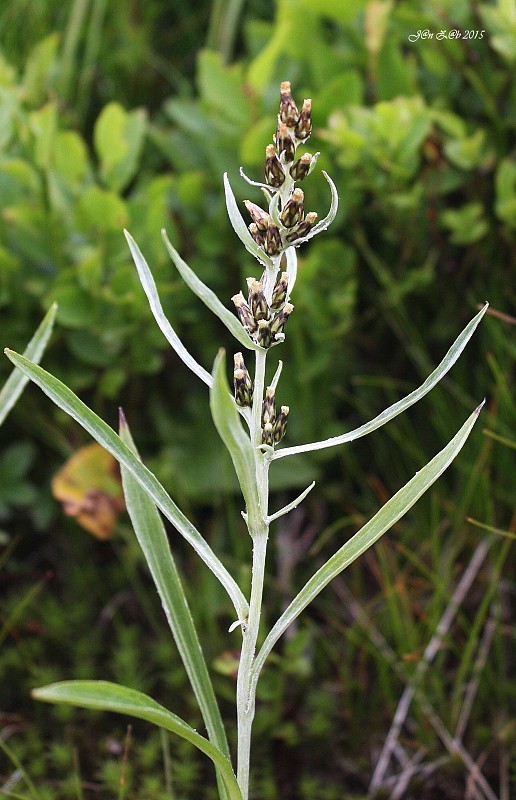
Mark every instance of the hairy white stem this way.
pixel 259 530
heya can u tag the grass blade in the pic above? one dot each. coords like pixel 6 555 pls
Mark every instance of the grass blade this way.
pixel 106 436
pixel 227 422
pixel 107 696
pixel 149 287
pixel 153 540
pixel 16 381
pixel 384 519
pixel 209 297
pixel 401 405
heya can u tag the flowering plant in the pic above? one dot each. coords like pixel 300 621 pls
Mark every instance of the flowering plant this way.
pixel 251 428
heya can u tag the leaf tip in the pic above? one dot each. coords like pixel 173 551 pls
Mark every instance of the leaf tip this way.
pixel 479 408
pixel 122 421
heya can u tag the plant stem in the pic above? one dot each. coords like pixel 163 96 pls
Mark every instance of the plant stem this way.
pixel 259 531
pixel 245 696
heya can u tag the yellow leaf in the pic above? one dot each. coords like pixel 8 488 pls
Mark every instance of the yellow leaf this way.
pixel 89 488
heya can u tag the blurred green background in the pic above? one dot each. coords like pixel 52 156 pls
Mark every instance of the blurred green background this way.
pixel 118 115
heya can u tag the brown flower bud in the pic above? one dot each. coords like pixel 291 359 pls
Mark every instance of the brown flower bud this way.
pixel 274 173
pixel 288 109
pixel 279 294
pixel 300 168
pixel 303 228
pixel 268 434
pixel 269 406
pixel 242 383
pixel 264 335
pixel 260 217
pixel 294 209
pixel 285 143
pixel 257 302
pixel 280 426
pixel 257 234
pixel 279 321
pixel 303 127
pixel 273 244
pixel 244 313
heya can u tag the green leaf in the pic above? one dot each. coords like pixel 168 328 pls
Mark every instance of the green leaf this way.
pixel 16 382
pixel 119 136
pixel 397 408
pixel 149 287
pixel 208 297
pixel 63 397
pixel 75 306
pixel 153 540
pixel 223 88
pixel 101 211
pixel 467 224
pixel 469 152
pixel 107 696
pixel 43 125
pixel 227 421
pixel 39 67
pixel 505 185
pixel 71 157
pixel 388 515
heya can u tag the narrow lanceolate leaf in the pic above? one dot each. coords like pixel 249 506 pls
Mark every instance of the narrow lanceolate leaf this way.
pixel 397 408
pixel 208 297
pixel 391 512
pixel 240 228
pixel 330 216
pixel 106 436
pixel 259 184
pixel 291 256
pixel 16 381
pixel 106 696
pixel 291 506
pixel 227 422
pixel 153 540
pixel 149 287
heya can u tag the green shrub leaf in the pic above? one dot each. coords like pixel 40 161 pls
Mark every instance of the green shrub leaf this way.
pixel 119 136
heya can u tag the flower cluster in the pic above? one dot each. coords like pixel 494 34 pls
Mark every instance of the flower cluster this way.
pixel 264 321
pixel 286 223
pixel 273 425
pixel 264 311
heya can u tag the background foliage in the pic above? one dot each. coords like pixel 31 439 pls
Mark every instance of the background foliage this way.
pixel 126 115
